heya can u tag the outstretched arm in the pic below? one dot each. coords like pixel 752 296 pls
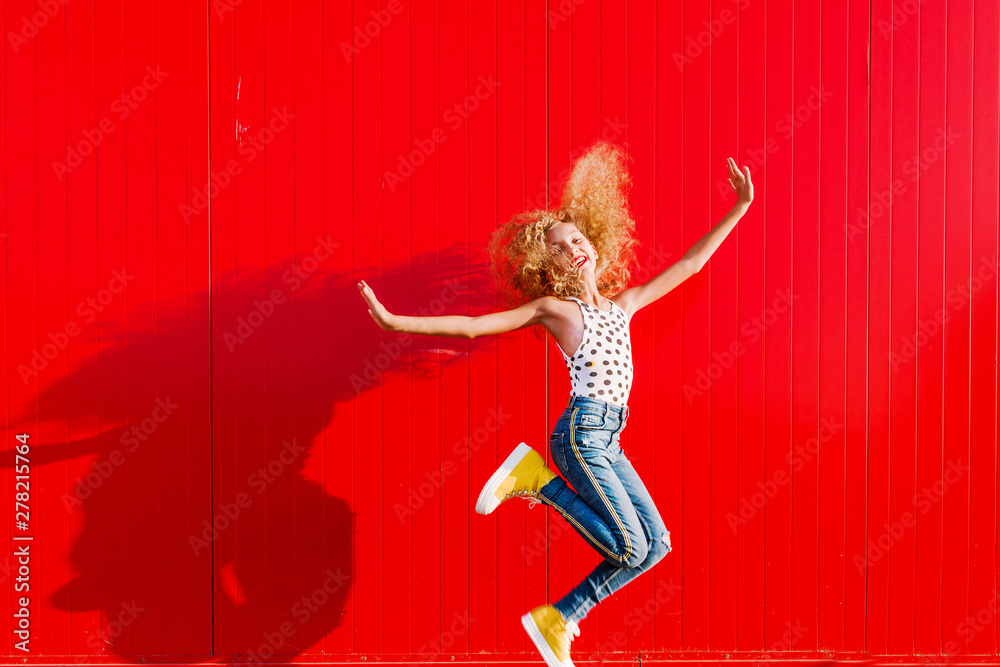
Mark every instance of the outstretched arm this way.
pixel 640 296
pixel 458 326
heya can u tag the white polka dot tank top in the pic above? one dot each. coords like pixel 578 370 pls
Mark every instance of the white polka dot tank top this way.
pixel 602 366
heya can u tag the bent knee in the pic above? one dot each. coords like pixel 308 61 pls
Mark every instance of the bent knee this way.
pixel 632 554
pixel 658 548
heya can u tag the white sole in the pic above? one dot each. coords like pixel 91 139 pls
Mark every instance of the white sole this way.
pixel 543 646
pixel 487 500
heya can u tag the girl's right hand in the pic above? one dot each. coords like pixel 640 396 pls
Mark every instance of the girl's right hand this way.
pixel 378 312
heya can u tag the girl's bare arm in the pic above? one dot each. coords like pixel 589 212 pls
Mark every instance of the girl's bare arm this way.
pixel 457 326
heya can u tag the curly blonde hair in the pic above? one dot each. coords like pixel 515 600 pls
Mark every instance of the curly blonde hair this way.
pixel 594 199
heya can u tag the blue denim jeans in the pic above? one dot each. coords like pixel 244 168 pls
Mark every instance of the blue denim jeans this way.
pixel 610 507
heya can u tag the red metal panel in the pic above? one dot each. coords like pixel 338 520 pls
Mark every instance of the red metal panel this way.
pixel 983 595
pixel 804 320
pixel 475 113
pixel 928 360
pixel 777 415
pixel 696 420
pixel 341 386
pixel 512 370
pixel 458 519
pixel 957 331
pixel 745 518
pixel 829 439
pixel 628 45
pixel 52 519
pixel 855 424
pixel 368 434
pixel 399 446
pixel 433 457
pixel 879 331
pixel 903 227
pixel 666 415
pixel 721 272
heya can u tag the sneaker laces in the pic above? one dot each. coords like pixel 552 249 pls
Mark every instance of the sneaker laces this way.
pixel 572 630
pixel 531 496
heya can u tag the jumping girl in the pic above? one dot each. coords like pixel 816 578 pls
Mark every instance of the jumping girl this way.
pixel 559 264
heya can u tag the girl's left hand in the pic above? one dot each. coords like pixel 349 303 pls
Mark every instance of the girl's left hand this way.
pixel 739 181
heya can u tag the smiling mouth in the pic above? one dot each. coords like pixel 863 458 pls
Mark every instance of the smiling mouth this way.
pixel 581 261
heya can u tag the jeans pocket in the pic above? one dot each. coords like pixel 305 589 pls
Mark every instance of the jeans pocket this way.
pixel 589 421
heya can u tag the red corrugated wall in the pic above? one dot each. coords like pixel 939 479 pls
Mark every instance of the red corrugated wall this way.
pixel 227 459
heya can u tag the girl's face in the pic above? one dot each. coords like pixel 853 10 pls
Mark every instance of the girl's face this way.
pixel 572 243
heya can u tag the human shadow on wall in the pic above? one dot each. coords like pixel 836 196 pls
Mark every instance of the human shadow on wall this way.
pixel 145 552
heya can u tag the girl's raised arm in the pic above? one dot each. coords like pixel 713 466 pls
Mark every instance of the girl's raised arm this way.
pixel 457 326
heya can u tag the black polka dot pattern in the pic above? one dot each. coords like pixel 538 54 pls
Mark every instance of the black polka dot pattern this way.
pixel 605 347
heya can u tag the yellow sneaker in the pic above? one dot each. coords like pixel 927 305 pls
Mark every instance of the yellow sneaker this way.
pixel 522 474
pixel 551 634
